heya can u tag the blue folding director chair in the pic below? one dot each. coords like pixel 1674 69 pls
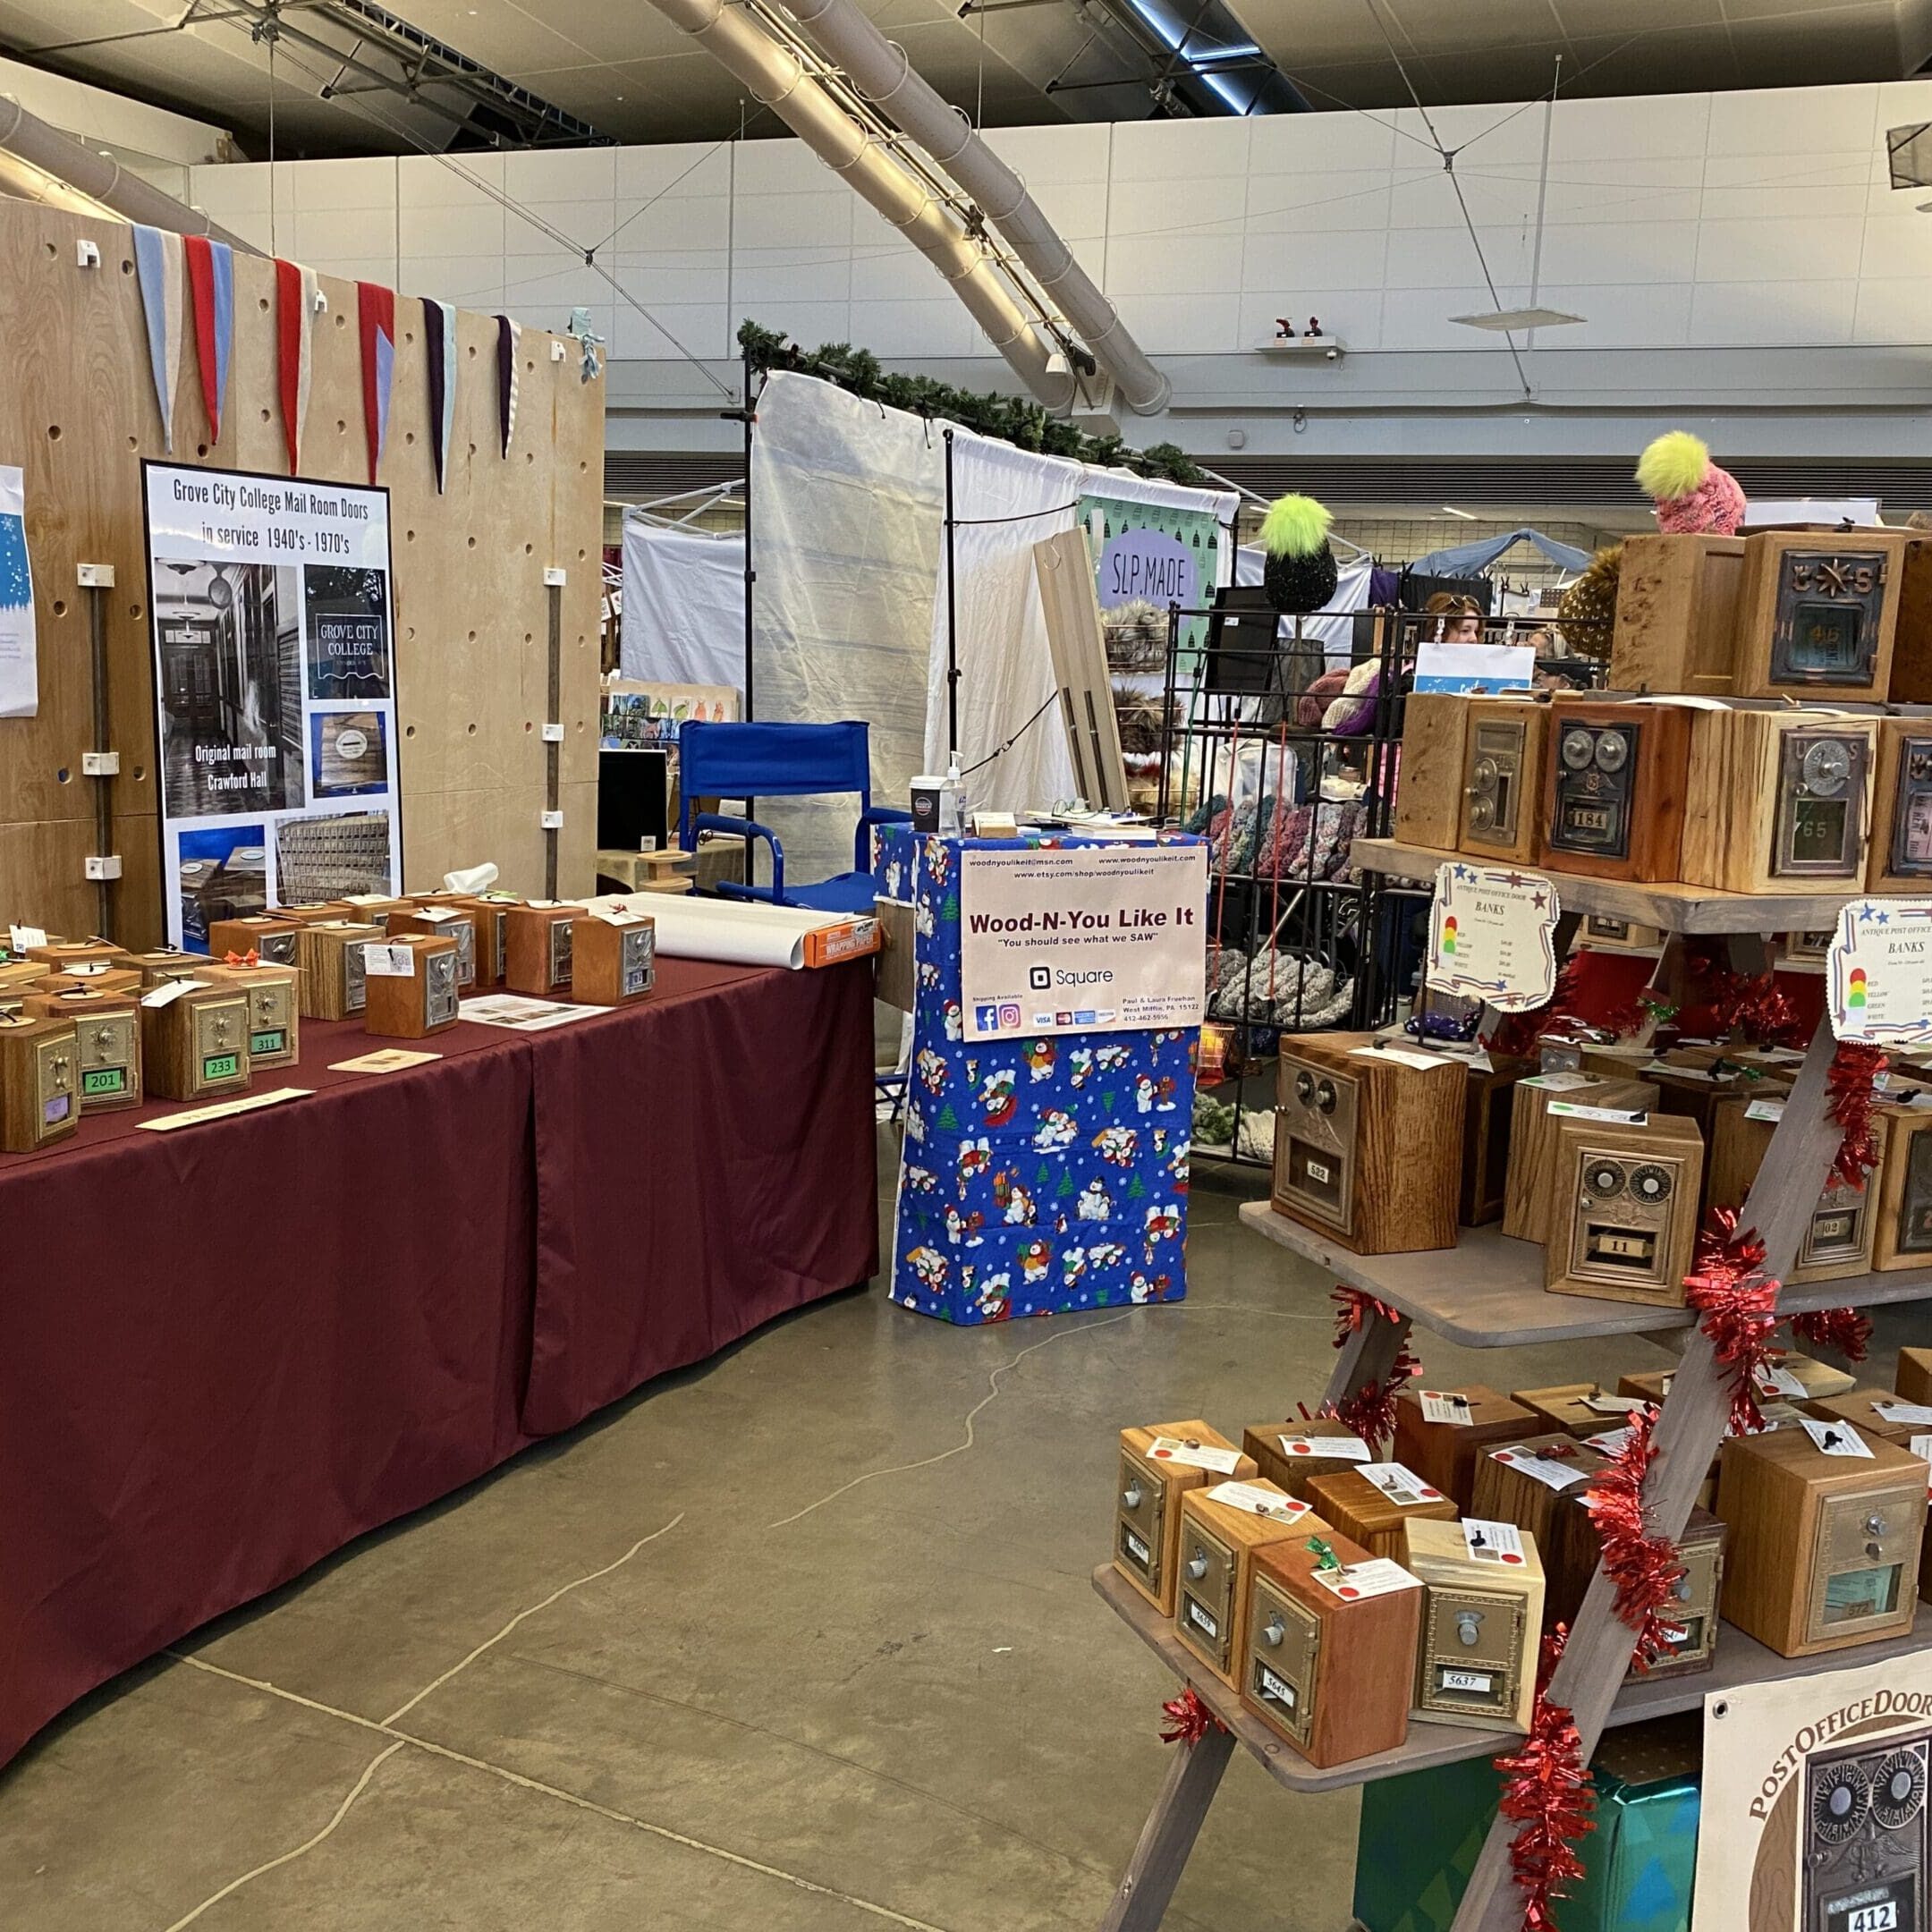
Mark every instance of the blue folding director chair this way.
pixel 755 761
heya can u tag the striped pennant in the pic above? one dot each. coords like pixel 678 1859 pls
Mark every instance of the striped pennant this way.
pixel 508 335
pixel 296 294
pixel 376 321
pixel 157 259
pixel 211 291
pixel 439 337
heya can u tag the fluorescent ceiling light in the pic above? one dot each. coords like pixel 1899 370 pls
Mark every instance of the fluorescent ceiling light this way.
pixel 1506 320
pixel 1467 516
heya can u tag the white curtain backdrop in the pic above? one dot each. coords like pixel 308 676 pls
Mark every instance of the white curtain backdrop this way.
pixel 683 606
pixel 1334 624
pixel 846 507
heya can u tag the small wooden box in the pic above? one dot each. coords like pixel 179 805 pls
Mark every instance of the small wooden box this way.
pixel 329 952
pixel 615 961
pixel 1289 1453
pixel 1900 860
pixel 314 913
pixel 1429 793
pixel 39 1062
pixel 1780 800
pixel 1824 1549
pixel 1367 1148
pixel 57 954
pixel 107 1043
pixel 1623 1223
pixel 1817 1380
pixel 1602 932
pixel 1913 1380
pixel 493 937
pixel 1839 1239
pixel 1567 1407
pixel 370 909
pixel 195 1046
pixel 1510 1486
pixel 1529 1188
pixel 444 921
pixel 1211 1586
pixel 1358 1510
pixel 1613 785
pixel 1676 614
pixel 1901 1232
pixel 415 1003
pixel 1503 753
pixel 1573 1548
pixel 165 963
pixel 1860 1408
pixel 268 935
pixel 1147 1501
pixel 539 944
pixel 274 1010
pixel 1331 1675
pixel 1488 1111
pixel 1482 1622
pixel 1443 1454
pixel 1819 614
pixel 102 978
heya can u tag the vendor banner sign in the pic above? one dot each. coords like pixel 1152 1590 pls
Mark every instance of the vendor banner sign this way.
pixel 1082 940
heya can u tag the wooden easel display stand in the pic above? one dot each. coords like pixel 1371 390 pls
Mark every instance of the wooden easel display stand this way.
pixel 1487 1292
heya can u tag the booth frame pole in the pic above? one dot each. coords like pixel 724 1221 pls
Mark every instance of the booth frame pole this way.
pixel 747 416
pixel 952 668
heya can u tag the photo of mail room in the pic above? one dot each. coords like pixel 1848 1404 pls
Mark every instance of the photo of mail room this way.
pixel 966 968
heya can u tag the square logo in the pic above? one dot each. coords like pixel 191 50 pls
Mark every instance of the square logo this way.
pixel 1039 979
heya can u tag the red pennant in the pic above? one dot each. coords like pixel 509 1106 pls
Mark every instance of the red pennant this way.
pixel 201 261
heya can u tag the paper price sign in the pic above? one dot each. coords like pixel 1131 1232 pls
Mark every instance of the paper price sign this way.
pixel 1878 973
pixel 1492 934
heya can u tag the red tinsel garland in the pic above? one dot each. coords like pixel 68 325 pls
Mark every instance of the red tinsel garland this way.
pixel 1189 1720
pixel 1739 1305
pixel 1845 1329
pixel 1354 1307
pixel 1516 1033
pixel 1633 1018
pixel 1646 1569
pixel 1546 1789
pixel 1854 1097
pixel 1370 1411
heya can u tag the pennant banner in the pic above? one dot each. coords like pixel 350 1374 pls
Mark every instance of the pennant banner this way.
pixel 439 339
pixel 211 290
pixel 376 319
pixel 157 259
pixel 508 335
pixel 296 290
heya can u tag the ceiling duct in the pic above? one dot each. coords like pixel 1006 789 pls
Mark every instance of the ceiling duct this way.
pixel 777 79
pixel 882 73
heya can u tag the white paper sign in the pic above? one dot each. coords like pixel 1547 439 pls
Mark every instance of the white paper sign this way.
pixel 1401 1056
pixel 1195 1455
pixel 1258 1501
pixel 20 683
pixel 1492 933
pixel 1380 1576
pixel 1782 1382
pixel 1836 1439
pixel 1493 1542
pixel 166 995
pixel 1878 974
pixel 1616 1404
pixel 1083 939
pixel 1474 668
pixel 1454 1410
pixel 1571 1110
pixel 19 937
pixel 389 961
pixel 1400 1484
pixel 1904 1414
pixel 1611 1442
pixel 1921 1447
pixel 1766 1110
pixel 1550 1471
pixel 1336 1448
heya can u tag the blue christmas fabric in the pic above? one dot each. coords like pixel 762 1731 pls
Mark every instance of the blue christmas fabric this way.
pixel 1038 1175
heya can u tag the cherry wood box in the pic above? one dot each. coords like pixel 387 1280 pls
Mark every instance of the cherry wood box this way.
pixel 1443 1454
pixel 539 942
pixel 418 1003
pixel 1914 1378
pixel 1292 1469
pixel 269 936
pixel 1146 1503
pixel 442 920
pixel 614 959
pixel 1358 1510
pixel 196 1047
pixel 1613 783
pixel 1505 1493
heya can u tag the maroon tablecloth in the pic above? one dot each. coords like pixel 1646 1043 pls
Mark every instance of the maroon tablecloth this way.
pixel 225 1352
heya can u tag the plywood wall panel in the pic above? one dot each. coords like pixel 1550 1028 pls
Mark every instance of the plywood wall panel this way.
pixel 78 413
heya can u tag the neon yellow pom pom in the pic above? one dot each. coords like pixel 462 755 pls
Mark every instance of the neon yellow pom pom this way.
pixel 1674 465
pixel 1294 526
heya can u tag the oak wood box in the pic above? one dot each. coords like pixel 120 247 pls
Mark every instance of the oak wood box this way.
pixel 269 936
pixel 1503 753
pixel 614 958
pixel 1429 793
pixel 1623 1221
pixel 442 920
pixel 1330 1675
pixel 1676 614
pixel 1824 1549
pixel 1292 1464
pixel 1212 1597
pixel 1443 1454
pixel 1860 1408
pixel 1901 1234
pixel 370 909
pixel 1614 778
pixel 274 1010
pixel 1571 1554
pixel 538 943
pixel 57 953
pixel 1914 1377
pixel 1506 1493
pixel 1780 800
pixel 38 1078
pixel 196 1046
pixel 106 1044
pixel 329 952
pixel 165 963
pixel 419 1001
pixel 1840 1239
pixel 1487 1114
pixel 1146 1503
pixel 1482 1623
pixel 1529 1191
pixel 1817 613
pixel 1367 1148
pixel 1566 1406
pixel 1360 1511
pixel 103 978
pixel 493 937
pixel 1900 860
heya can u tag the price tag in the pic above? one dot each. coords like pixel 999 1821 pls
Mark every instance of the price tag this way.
pixel 1400 1484
pixel 1903 1414
pixel 1195 1455
pixel 1878 972
pixel 1560 1081
pixel 1493 1542
pixel 617 915
pixel 1836 1439
pixel 1570 1110
pixel 1492 936
pixel 1766 1110
pixel 1782 1382
pixel 389 961
pixel 1611 1442
pixel 166 995
pixel 19 937
pixel 1380 1576
pixel 1259 1501
pixel 1336 1448
pixel 1451 1408
pixel 1401 1056
pixel 1614 1404
pixel 1545 1470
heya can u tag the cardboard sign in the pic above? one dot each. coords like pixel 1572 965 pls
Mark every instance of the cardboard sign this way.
pixel 1492 933
pixel 1083 939
pixel 1878 972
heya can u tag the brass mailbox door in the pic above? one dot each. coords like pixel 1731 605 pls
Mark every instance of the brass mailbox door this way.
pixel 1495 782
pixel 1315 1142
pixel 1915 1202
pixel 1839 1229
pixel 1472 1651
pixel 220 1039
pixel 54 1081
pixel 1203 1610
pixel 1693 1607
pixel 1596 766
pixel 270 1011
pixel 1867 1546
pixel 107 1050
pixel 1825 630
pixel 1912 812
pixel 1139 1522
pixel 1283 1660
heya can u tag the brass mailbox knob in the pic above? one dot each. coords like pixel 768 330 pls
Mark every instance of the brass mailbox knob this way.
pixel 1197 1565
pixel 1469 1625
pixel 1272 1631
pixel 1683 1591
pixel 1130 1495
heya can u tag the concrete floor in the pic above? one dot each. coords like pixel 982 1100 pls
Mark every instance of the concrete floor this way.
pixel 802 1641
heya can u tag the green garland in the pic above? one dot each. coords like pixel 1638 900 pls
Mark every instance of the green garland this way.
pixel 1013 419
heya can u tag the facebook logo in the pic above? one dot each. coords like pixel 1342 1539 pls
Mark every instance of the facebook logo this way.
pixel 986 1018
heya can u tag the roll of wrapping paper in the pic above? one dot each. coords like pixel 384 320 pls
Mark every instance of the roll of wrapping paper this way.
pixel 740 933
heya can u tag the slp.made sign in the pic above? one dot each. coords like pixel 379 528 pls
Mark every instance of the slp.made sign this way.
pixel 1091 939
pixel 1147 564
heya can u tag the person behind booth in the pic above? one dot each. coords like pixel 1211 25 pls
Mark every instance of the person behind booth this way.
pixel 1455 620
